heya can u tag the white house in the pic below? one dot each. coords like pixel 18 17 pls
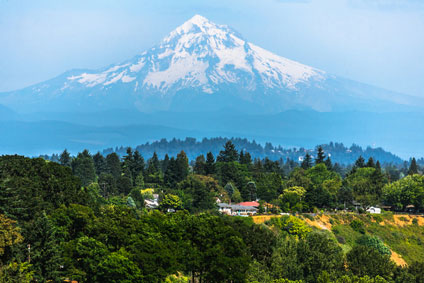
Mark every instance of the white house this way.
pixel 234 209
pixel 374 210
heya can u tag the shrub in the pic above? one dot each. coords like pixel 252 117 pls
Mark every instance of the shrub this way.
pixel 415 221
pixel 402 218
pixel 374 242
pixel 358 226
pixel 290 224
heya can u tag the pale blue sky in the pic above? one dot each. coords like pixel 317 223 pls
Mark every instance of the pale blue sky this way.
pixel 380 42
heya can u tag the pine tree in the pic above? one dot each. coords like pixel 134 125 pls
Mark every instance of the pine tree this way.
pixel 182 166
pixel 307 162
pixel 99 163
pixel 229 154
pixel 165 163
pixel 83 167
pixel 413 168
pixel 370 163
pixel 360 162
pixel 210 164
pixel 138 163
pixel 153 167
pixel 65 158
pixel 46 256
pixel 320 156
pixel 199 165
pixel 170 176
pixel 128 163
pixel 328 164
pixel 113 165
pixel 245 158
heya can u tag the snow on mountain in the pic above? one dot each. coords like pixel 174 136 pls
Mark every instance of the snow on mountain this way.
pixel 201 65
pixel 202 54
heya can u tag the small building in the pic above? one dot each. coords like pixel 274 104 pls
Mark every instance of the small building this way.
pixel 249 203
pixel 152 203
pixel 374 210
pixel 236 210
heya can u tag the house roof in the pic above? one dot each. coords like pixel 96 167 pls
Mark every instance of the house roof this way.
pixel 237 207
pixel 249 203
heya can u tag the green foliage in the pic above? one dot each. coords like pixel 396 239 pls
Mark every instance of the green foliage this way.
pixel 83 167
pixel 374 242
pixel 363 260
pixel 16 273
pixel 170 201
pixel 229 154
pixel 307 258
pixel 409 190
pixel 358 226
pixel 117 267
pixel 366 184
pixel 9 234
pixel 290 224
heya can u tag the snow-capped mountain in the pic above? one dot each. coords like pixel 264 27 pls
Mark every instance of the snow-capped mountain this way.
pixel 201 66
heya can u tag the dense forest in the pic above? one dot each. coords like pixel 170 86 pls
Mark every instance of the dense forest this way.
pixel 84 218
pixel 339 153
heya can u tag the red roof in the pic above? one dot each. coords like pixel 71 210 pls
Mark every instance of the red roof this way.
pixel 249 203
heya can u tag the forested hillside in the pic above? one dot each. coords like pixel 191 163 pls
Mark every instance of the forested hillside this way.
pixel 86 218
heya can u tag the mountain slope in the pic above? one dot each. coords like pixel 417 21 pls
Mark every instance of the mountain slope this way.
pixel 203 66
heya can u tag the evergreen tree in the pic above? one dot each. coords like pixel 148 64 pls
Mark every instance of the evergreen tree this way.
pixel 229 154
pixel 320 156
pixel 328 163
pixel 65 158
pixel 413 168
pixel 128 164
pixel 153 166
pixel 113 165
pixel 199 165
pixel 83 167
pixel 165 163
pixel 210 164
pixel 307 162
pixel 182 166
pixel 170 176
pixel 360 162
pixel 138 163
pixel 370 163
pixel 245 158
pixel 251 189
pixel 257 165
pixel 46 256
pixel 107 185
pixel 99 163
pixel 229 188
pixel 378 166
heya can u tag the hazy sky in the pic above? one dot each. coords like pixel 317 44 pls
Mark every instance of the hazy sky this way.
pixel 380 42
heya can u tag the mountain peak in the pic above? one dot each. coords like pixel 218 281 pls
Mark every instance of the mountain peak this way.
pixel 198 20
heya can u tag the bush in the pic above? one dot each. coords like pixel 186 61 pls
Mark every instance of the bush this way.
pixel 290 224
pixel 374 242
pixel 402 218
pixel 358 226
pixel 415 221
